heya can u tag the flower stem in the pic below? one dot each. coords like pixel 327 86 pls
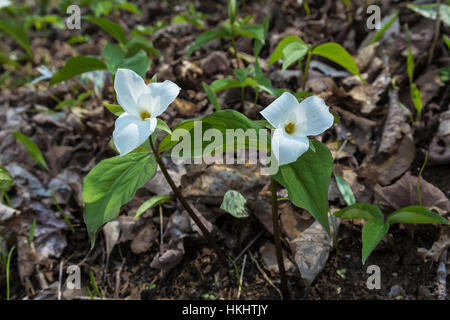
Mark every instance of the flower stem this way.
pixel 243 98
pixel 305 73
pixel 277 240
pixel 206 233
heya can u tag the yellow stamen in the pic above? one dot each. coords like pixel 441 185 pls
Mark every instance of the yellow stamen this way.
pixel 289 128
pixel 145 115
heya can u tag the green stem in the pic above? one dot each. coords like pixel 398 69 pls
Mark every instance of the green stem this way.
pixel 305 73
pixel 256 96
pixel 277 240
pixel 243 97
pixel 233 43
pixel 418 178
pixel 209 237
pixel 8 265
pixel 8 200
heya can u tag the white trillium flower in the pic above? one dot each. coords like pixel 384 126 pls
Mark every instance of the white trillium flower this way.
pixel 294 122
pixel 142 104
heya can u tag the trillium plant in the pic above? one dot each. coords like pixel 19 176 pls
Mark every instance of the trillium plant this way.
pixel 304 166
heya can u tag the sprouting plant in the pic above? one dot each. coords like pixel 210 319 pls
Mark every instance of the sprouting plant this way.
pixel 292 49
pixel 12 25
pixel 8 272
pixel 192 16
pixel 94 286
pixel 232 28
pixel 242 78
pixel 208 296
pixel 6 182
pixel 134 53
pixel 32 149
pixel 62 212
pixel 413 90
pixel 376 226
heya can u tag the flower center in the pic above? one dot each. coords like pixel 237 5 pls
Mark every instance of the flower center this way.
pixel 145 115
pixel 289 128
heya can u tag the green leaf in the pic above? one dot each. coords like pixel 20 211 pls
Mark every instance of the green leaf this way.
pixel 137 43
pixel 255 31
pixel 361 210
pixel 110 27
pixel 242 74
pixel 416 98
pixel 336 53
pixel 307 181
pixel 151 203
pixel 113 183
pixel 161 125
pixel 114 108
pixel 444 74
pixel 372 233
pixel 388 24
pixel 430 11
pixel 234 203
pixel 206 37
pixel 345 190
pixel 258 45
pixel 15 30
pixel 32 149
pixel 221 121
pixel 293 52
pixel 416 214
pixel 76 66
pixel 301 95
pixel 265 84
pixel 211 96
pixel 139 63
pixel 225 83
pixel 278 52
pixel 447 41
pixel 115 58
pixel 6 181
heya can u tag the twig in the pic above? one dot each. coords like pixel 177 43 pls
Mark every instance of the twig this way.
pixel 264 274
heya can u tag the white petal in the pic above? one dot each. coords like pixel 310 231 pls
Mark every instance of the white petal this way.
pixel 162 94
pixel 129 88
pixel 313 117
pixel 130 132
pixel 279 111
pixel 288 148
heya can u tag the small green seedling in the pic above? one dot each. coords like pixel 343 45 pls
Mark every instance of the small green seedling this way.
pixel 208 296
pixel 293 49
pixel 134 54
pixel 32 149
pixel 8 272
pixel 192 16
pixel 232 28
pixel 414 91
pixel 377 227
